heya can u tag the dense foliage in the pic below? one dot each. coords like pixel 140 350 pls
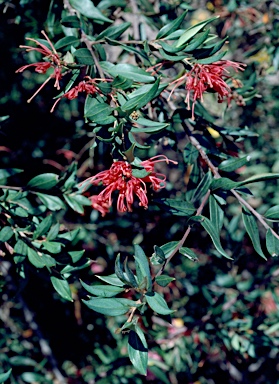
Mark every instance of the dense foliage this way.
pixel 139 199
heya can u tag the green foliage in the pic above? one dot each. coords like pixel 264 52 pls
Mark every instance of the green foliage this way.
pixel 141 149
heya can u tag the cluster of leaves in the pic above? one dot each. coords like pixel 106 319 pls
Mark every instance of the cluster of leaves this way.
pixel 134 107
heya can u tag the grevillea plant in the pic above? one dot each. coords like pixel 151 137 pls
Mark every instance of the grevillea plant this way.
pixel 161 107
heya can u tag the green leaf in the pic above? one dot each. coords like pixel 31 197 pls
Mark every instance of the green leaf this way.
pixel 121 82
pixel 152 126
pixel 45 181
pixel 203 187
pixel 52 246
pixel 119 270
pixel 133 141
pixel 22 360
pixel 112 279
pixel 62 287
pixel 102 290
pixel 98 112
pixel 192 31
pixel 159 255
pixel 171 27
pixel 34 258
pixel 213 233
pixel 158 303
pixel 223 183
pixel 5 375
pixel 197 42
pixel 176 207
pixel 163 280
pixel 21 248
pixel 43 227
pixel 71 235
pixel 261 177
pixel 138 352
pixel 252 230
pixel 31 377
pixel 67 41
pixel 88 9
pixel 140 101
pixel 129 274
pixel 54 203
pixel 48 260
pixel 272 213
pixel 114 31
pixel 143 264
pixel 232 164
pixel 272 243
pixel 216 213
pixel 128 71
pixel 76 255
pixel 110 307
pixel 187 252
pixel 212 59
pixel 167 248
pixel 70 22
pixel 83 56
pixel 8 172
pixel 6 233
pixel 53 233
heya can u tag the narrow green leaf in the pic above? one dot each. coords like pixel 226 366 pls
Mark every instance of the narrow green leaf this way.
pixel 272 243
pixel 110 306
pixel 114 31
pixel 216 213
pixel 52 246
pixel 202 187
pixel 88 9
pixel 34 258
pixel 232 164
pixel 171 27
pixel 6 233
pixel 158 303
pixel 102 290
pixel 67 41
pixel 62 287
pixel 192 31
pixel 54 203
pixel 43 227
pixel 129 274
pixel 187 252
pixel 213 233
pixel 76 255
pixel 130 72
pixel 176 207
pixel 138 352
pixel 212 59
pixel 112 279
pixel 73 203
pixel 45 181
pixel 140 101
pixel 167 248
pixel 197 42
pixel 159 255
pixel 272 213
pixel 54 231
pixel 143 263
pixel 119 270
pixel 252 230
pixel 163 280
pixel 8 172
pixel 5 375
pixel 21 248
pixel 70 22
pixel 48 260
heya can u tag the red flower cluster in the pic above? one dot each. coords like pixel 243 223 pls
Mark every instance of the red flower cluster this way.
pixel 120 178
pixel 52 61
pixel 88 86
pixel 203 77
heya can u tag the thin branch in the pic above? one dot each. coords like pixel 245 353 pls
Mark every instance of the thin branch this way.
pixel 9 187
pixel 186 234
pixel 135 19
pixel 89 47
pixel 217 175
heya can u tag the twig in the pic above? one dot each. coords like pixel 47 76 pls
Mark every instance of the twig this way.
pixel 186 234
pixel 89 47
pixel 217 175
pixel 135 19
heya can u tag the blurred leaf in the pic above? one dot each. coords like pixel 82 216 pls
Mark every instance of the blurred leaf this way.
pixel 203 187
pixel 176 207
pixel 137 350
pixel 102 290
pixel 158 303
pixel 31 377
pixel 212 59
pixel 62 287
pixel 22 360
pixel 6 233
pixel 70 22
pixel 83 56
pixel 252 230
pixel 171 27
pixel 110 307
pixel 272 213
pixel 114 31
pixel 272 243
pixel 192 31
pixel 45 181
pixel 88 9
pixel 8 172
pixel 232 164
pixel 163 280
pixel 143 263
pixel 5 375
pixel 54 203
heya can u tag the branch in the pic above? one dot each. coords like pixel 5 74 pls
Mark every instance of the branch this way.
pixel 217 175
pixel 89 47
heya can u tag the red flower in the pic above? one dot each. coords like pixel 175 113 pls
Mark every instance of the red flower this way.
pixel 88 86
pixel 120 178
pixel 52 61
pixel 203 77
